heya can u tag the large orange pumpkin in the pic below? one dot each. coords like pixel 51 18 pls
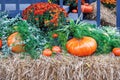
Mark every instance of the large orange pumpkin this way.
pixel 0 43
pixel 81 47
pixel 14 41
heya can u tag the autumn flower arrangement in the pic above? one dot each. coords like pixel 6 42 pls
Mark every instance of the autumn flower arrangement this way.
pixel 44 14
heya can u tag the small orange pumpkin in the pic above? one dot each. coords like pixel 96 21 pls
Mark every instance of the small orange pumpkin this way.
pixel 0 43
pixel 81 47
pixel 54 35
pixel 116 51
pixel 74 11
pixel 13 41
pixel 56 49
pixel 47 52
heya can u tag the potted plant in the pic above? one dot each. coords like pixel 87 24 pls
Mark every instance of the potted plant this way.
pixel 45 15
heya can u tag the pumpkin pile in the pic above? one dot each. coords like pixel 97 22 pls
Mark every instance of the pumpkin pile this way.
pixel 18 36
pixel 88 39
pixel 79 39
pixel 49 52
pixel 85 7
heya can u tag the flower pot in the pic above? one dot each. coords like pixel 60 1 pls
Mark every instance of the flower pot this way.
pixel 66 8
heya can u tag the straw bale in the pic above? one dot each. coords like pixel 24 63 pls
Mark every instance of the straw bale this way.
pixel 60 67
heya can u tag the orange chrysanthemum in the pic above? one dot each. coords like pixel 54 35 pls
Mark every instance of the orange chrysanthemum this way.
pixel 43 14
pixel 109 1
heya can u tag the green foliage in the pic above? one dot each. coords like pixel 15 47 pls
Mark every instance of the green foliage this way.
pixel 107 38
pixel 111 6
pixel 5 30
pixel 61 39
pixel 33 38
pixel 102 38
pixel 114 35
pixel 36 40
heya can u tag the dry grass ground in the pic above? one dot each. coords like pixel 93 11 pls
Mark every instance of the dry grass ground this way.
pixel 59 67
